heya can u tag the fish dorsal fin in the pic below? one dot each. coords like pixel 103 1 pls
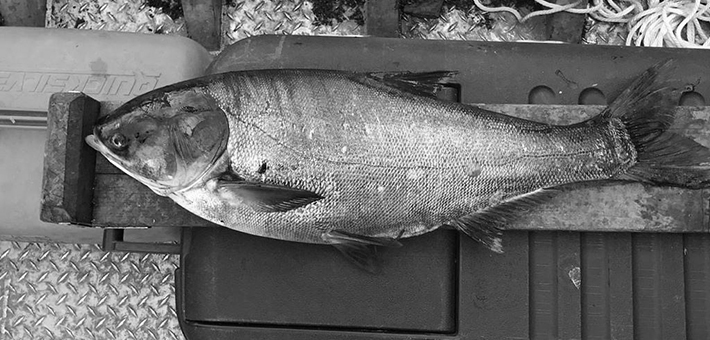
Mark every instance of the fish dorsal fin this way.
pixel 264 197
pixel 358 249
pixel 419 83
pixel 485 225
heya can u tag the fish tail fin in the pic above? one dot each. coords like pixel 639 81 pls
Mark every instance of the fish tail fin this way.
pixel 647 110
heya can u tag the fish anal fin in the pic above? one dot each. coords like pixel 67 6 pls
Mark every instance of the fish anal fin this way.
pixel 478 228
pixel 358 249
pixel 485 226
pixel 264 197
pixel 420 83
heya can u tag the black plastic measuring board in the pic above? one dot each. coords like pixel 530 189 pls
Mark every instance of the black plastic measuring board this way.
pixel 547 285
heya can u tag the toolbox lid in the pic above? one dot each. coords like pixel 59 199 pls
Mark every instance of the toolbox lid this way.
pixel 235 278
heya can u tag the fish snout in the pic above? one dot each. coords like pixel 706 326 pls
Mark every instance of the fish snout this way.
pixel 93 142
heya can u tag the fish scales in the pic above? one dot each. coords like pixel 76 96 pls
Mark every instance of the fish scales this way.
pixel 390 163
pixel 360 160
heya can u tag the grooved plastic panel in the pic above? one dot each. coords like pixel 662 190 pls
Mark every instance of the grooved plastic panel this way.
pixel 417 292
pixel 548 285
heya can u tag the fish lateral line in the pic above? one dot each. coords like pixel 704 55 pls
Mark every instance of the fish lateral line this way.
pixel 331 161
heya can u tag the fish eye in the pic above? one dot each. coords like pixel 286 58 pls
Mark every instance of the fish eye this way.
pixel 118 141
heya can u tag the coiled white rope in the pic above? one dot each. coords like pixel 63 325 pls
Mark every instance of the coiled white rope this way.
pixel 553 8
pixel 669 23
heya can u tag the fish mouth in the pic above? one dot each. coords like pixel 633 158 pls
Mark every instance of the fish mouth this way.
pixel 94 143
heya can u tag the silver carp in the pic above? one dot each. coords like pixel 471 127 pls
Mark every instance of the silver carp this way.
pixel 359 160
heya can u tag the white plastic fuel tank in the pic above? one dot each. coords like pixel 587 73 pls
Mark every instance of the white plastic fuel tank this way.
pixel 112 67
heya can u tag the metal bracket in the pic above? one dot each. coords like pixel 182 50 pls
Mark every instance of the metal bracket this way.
pixel 113 241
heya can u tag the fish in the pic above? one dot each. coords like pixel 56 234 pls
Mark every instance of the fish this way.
pixel 362 160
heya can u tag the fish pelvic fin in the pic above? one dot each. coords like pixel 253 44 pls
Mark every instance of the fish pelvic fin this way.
pixel 485 226
pixel 358 249
pixel 646 110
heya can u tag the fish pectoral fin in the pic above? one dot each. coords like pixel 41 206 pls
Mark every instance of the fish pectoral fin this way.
pixel 485 225
pixel 266 197
pixel 420 83
pixel 358 249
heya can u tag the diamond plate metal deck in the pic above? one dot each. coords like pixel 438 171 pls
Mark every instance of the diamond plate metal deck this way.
pixel 472 24
pixel 53 291
pixel 112 15
pixel 244 19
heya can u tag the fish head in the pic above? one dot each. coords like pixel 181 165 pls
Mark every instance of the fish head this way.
pixel 167 139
